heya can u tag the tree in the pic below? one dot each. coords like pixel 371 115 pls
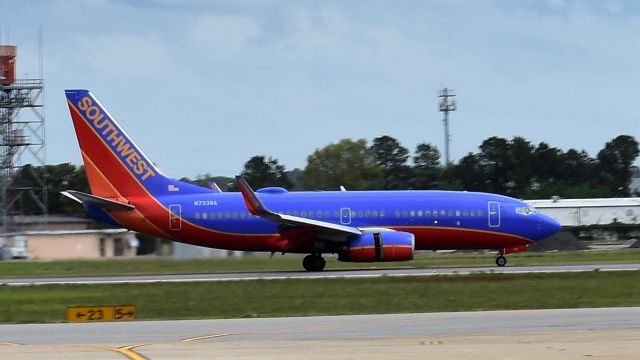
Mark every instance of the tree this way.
pixel 392 157
pixel 427 169
pixel 521 171
pixel 263 172
pixel 349 163
pixel 577 167
pixel 59 177
pixel 614 164
pixel 470 173
pixel 496 163
pixel 547 164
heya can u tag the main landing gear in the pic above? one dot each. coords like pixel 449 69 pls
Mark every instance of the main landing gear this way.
pixel 313 262
pixel 501 260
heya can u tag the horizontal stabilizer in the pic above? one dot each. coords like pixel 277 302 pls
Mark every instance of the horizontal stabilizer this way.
pixel 96 201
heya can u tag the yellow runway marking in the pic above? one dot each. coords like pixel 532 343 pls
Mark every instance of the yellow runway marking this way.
pixel 195 338
pixel 10 344
pixel 126 350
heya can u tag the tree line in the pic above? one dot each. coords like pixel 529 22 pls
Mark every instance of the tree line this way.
pixel 514 167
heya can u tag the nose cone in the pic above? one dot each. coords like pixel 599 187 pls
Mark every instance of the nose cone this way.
pixel 547 226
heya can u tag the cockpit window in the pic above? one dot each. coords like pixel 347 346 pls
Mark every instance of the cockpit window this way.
pixel 526 210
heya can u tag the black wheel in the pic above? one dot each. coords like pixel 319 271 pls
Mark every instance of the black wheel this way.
pixel 313 262
pixel 501 261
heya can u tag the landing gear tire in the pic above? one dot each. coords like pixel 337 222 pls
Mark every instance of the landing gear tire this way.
pixel 501 261
pixel 313 262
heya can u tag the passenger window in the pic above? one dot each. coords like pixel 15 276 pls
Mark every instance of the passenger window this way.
pixel 443 213
pixel 465 213
pixel 205 216
pixel 243 215
pixel 427 213
pixel 405 213
pixel 375 213
pixel 311 214
pixel 382 213
pixel 397 213
pixel 319 214
pixel 227 215
pixel 480 213
pixel 197 216
pixel 419 213
pixel 472 213
pixel 303 213
pixel 235 214
pixel 367 213
pixel 450 213
pixel 458 213
pixel 412 213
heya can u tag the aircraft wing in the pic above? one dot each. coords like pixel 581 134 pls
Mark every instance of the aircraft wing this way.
pixel 257 208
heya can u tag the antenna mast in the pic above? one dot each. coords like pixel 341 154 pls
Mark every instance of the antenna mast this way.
pixel 447 104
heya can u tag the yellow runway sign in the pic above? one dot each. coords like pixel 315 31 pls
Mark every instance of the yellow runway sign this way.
pixel 101 313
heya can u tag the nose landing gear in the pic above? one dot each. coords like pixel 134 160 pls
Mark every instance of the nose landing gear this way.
pixel 313 262
pixel 501 260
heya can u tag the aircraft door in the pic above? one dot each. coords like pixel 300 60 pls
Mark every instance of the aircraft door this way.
pixel 345 216
pixel 175 217
pixel 494 214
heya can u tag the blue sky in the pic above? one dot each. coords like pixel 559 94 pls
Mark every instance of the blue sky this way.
pixel 202 86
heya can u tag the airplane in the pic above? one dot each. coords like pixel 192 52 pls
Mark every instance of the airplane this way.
pixel 128 190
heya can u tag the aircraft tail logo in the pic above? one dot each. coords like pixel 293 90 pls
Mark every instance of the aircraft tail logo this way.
pixel 115 166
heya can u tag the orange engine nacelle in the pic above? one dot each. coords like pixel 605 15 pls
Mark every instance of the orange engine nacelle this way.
pixel 386 245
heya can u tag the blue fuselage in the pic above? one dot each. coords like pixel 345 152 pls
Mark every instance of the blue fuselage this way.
pixel 438 219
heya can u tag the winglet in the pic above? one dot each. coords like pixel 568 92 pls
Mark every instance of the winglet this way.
pixel 257 208
pixel 254 204
pixel 213 186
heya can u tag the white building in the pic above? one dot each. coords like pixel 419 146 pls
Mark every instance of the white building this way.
pixel 68 244
pixel 586 212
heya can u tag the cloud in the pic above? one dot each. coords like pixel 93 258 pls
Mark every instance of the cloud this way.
pixel 224 32
pixel 124 56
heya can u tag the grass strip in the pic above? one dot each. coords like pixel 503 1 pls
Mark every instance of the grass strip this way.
pixel 290 262
pixel 273 298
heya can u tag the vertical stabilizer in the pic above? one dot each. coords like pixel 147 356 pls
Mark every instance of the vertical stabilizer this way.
pixel 115 166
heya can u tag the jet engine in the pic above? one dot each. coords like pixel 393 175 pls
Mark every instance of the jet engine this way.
pixel 381 245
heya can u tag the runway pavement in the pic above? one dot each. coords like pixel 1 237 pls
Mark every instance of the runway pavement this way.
pixel 611 333
pixel 369 273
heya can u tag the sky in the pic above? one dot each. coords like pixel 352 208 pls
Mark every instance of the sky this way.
pixel 202 86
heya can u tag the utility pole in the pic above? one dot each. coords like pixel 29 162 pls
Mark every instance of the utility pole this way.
pixel 447 105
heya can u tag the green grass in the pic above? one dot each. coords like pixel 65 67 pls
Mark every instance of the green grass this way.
pixel 14 269
pixel 269 298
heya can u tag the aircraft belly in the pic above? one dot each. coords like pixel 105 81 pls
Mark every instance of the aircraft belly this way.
pixel 442 238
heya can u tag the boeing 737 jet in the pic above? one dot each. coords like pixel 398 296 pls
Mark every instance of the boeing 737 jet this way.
pixel 128 190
